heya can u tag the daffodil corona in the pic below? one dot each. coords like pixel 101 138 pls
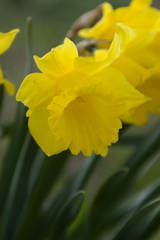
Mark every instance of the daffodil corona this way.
pixel 139 28
pixel 6 40
pixel 75 103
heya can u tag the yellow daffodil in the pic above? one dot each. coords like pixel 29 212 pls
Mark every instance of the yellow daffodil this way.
pixel 9 87
pixel 75 103
pixel 139 28
pixel 6 40
pixel 140 65
pixel 139 15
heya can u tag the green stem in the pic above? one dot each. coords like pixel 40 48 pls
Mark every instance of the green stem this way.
pixel 29 57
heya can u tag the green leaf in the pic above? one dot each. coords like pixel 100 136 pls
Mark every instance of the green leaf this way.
pixel 18 189
pixel 119 214
pixel 75 184
pixel 5 130
pixel 46 176
pixel 139 223
pixel 145 149
pixel 117 197
pixel 107 195
pixel 67 215
pixel 10 160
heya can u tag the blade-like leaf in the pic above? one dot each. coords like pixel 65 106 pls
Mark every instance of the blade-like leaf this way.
pixel 46 177
pixel 5 130
pixel 18 189
pixel 146 149
pixel 77 183
pixel 67 215
pixel 138 224
pixel 108 194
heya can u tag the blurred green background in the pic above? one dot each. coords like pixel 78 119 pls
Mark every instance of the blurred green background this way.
pixel 51 20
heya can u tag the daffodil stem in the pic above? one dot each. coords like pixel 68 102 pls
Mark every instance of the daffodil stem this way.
pixel 146 149
pixel 29 46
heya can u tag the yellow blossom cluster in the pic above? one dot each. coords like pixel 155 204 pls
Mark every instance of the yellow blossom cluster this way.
pixel 6 40
pixel 139 29
pixel 78 102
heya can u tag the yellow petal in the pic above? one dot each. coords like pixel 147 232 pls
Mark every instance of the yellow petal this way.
pixel 41 132
pixel 36 89
pixel 137 18
pixel 1 75
pixel 89 67
pixel 138 116
pixel 140 3
pixel 134 40
pixel 155 45
pixel 28 113
pixel 151 88
pixel 59 60
pixel 71 80
pixel 9 87
pixel 127 35
pixel 86 119
pixel 145 58
pixel 6 39
pixel 116 82
pixel 100 54
pixel 132 70
pixel 105 28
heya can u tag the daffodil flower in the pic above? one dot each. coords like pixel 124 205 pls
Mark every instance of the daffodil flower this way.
pixel 6 40
pixel 75 103
pixel 141 67
pixel 138 15
pixel 139 28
